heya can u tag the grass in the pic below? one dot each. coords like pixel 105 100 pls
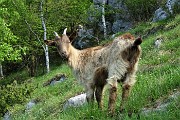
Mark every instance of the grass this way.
pixel 158 76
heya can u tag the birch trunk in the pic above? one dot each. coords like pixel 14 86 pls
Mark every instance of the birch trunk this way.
pixel 1 71
pixel 103 19
pixel 46 47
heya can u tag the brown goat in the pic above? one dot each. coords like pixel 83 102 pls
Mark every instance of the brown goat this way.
pixel 97 66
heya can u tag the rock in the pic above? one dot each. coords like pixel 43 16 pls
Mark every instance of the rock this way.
pixel 76 101
pixel 157 43
pixel 161 106
pixel 121 25
pixel 56 79
pixel 7 116
pixel 84 36
pixel 159 15
pixel 30 104
pixel 99 1
pixel 61 79
pixel 113 36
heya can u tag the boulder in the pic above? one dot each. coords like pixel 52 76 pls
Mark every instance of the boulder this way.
pixel 56 79
pixel 30 104
pixel 121 25
pixel 159 15
pixel 76 101
pixel 7 116
pixel 161 106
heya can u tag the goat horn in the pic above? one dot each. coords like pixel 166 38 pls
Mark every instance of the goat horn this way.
pixel 64 33
pixel 56 33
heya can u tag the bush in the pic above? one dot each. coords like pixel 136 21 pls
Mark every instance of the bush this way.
pixel 13 94
pixel 141 10
pixel 176 9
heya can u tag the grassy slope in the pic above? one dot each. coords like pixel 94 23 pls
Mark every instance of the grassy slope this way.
pixel 158 76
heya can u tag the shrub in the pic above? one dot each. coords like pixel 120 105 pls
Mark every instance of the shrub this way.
pixel 13 94
pixel 141 10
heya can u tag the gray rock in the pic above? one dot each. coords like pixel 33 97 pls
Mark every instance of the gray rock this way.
pixel 84 36
pixel 7 116
pixel 161 106
pixel 159 15
pixel 76 101
pixel 30 104
pixel 121 25
pixel 99 1
pixel 62 78
pixel 158 42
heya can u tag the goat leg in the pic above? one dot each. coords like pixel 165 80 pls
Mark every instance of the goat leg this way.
pixel 125 94
pixel 112 99
pixel 98 93
pixel 90 94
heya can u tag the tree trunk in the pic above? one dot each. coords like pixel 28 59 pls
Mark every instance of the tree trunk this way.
pixel 46 47
pixel 1 71
pixel 103 19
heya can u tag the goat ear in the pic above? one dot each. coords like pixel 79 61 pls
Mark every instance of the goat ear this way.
pixel 49 42
pixel 138 41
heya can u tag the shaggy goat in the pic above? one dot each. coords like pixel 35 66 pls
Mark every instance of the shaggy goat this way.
pixel 97 66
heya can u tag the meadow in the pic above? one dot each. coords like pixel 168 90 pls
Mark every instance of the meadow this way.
pixel 157 78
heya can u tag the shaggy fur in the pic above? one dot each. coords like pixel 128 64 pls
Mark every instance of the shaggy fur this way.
pixel 97 66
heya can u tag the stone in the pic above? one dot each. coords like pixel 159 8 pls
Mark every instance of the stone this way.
pixel 121 25
pixel 161 106
pixel 7 116
pixel 99 1
pixel 76 101
pixel 159 15
pixel 30 104
pixel 158 42
pixel 56 79
pixel 84 36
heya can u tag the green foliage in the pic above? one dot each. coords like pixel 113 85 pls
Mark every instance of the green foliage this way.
pixel 68 13
pixel 7 42
pixel 13 94
pixel 176 9
pixel 141 10
pixel 10 50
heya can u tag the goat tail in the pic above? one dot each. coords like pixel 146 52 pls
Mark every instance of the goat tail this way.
pixel 138 41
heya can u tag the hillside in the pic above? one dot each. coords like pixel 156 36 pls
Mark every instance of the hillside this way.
pixel 157 78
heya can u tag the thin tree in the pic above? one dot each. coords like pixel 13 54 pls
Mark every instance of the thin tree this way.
pixel 45 46
pixel 103 19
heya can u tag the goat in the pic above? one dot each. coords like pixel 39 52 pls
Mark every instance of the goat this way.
pixel 97 66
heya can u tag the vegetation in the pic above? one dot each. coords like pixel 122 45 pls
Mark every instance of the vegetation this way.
pixel 158 77
pixel 21 53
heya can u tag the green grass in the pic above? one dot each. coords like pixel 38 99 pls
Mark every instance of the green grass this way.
pixel 158 76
